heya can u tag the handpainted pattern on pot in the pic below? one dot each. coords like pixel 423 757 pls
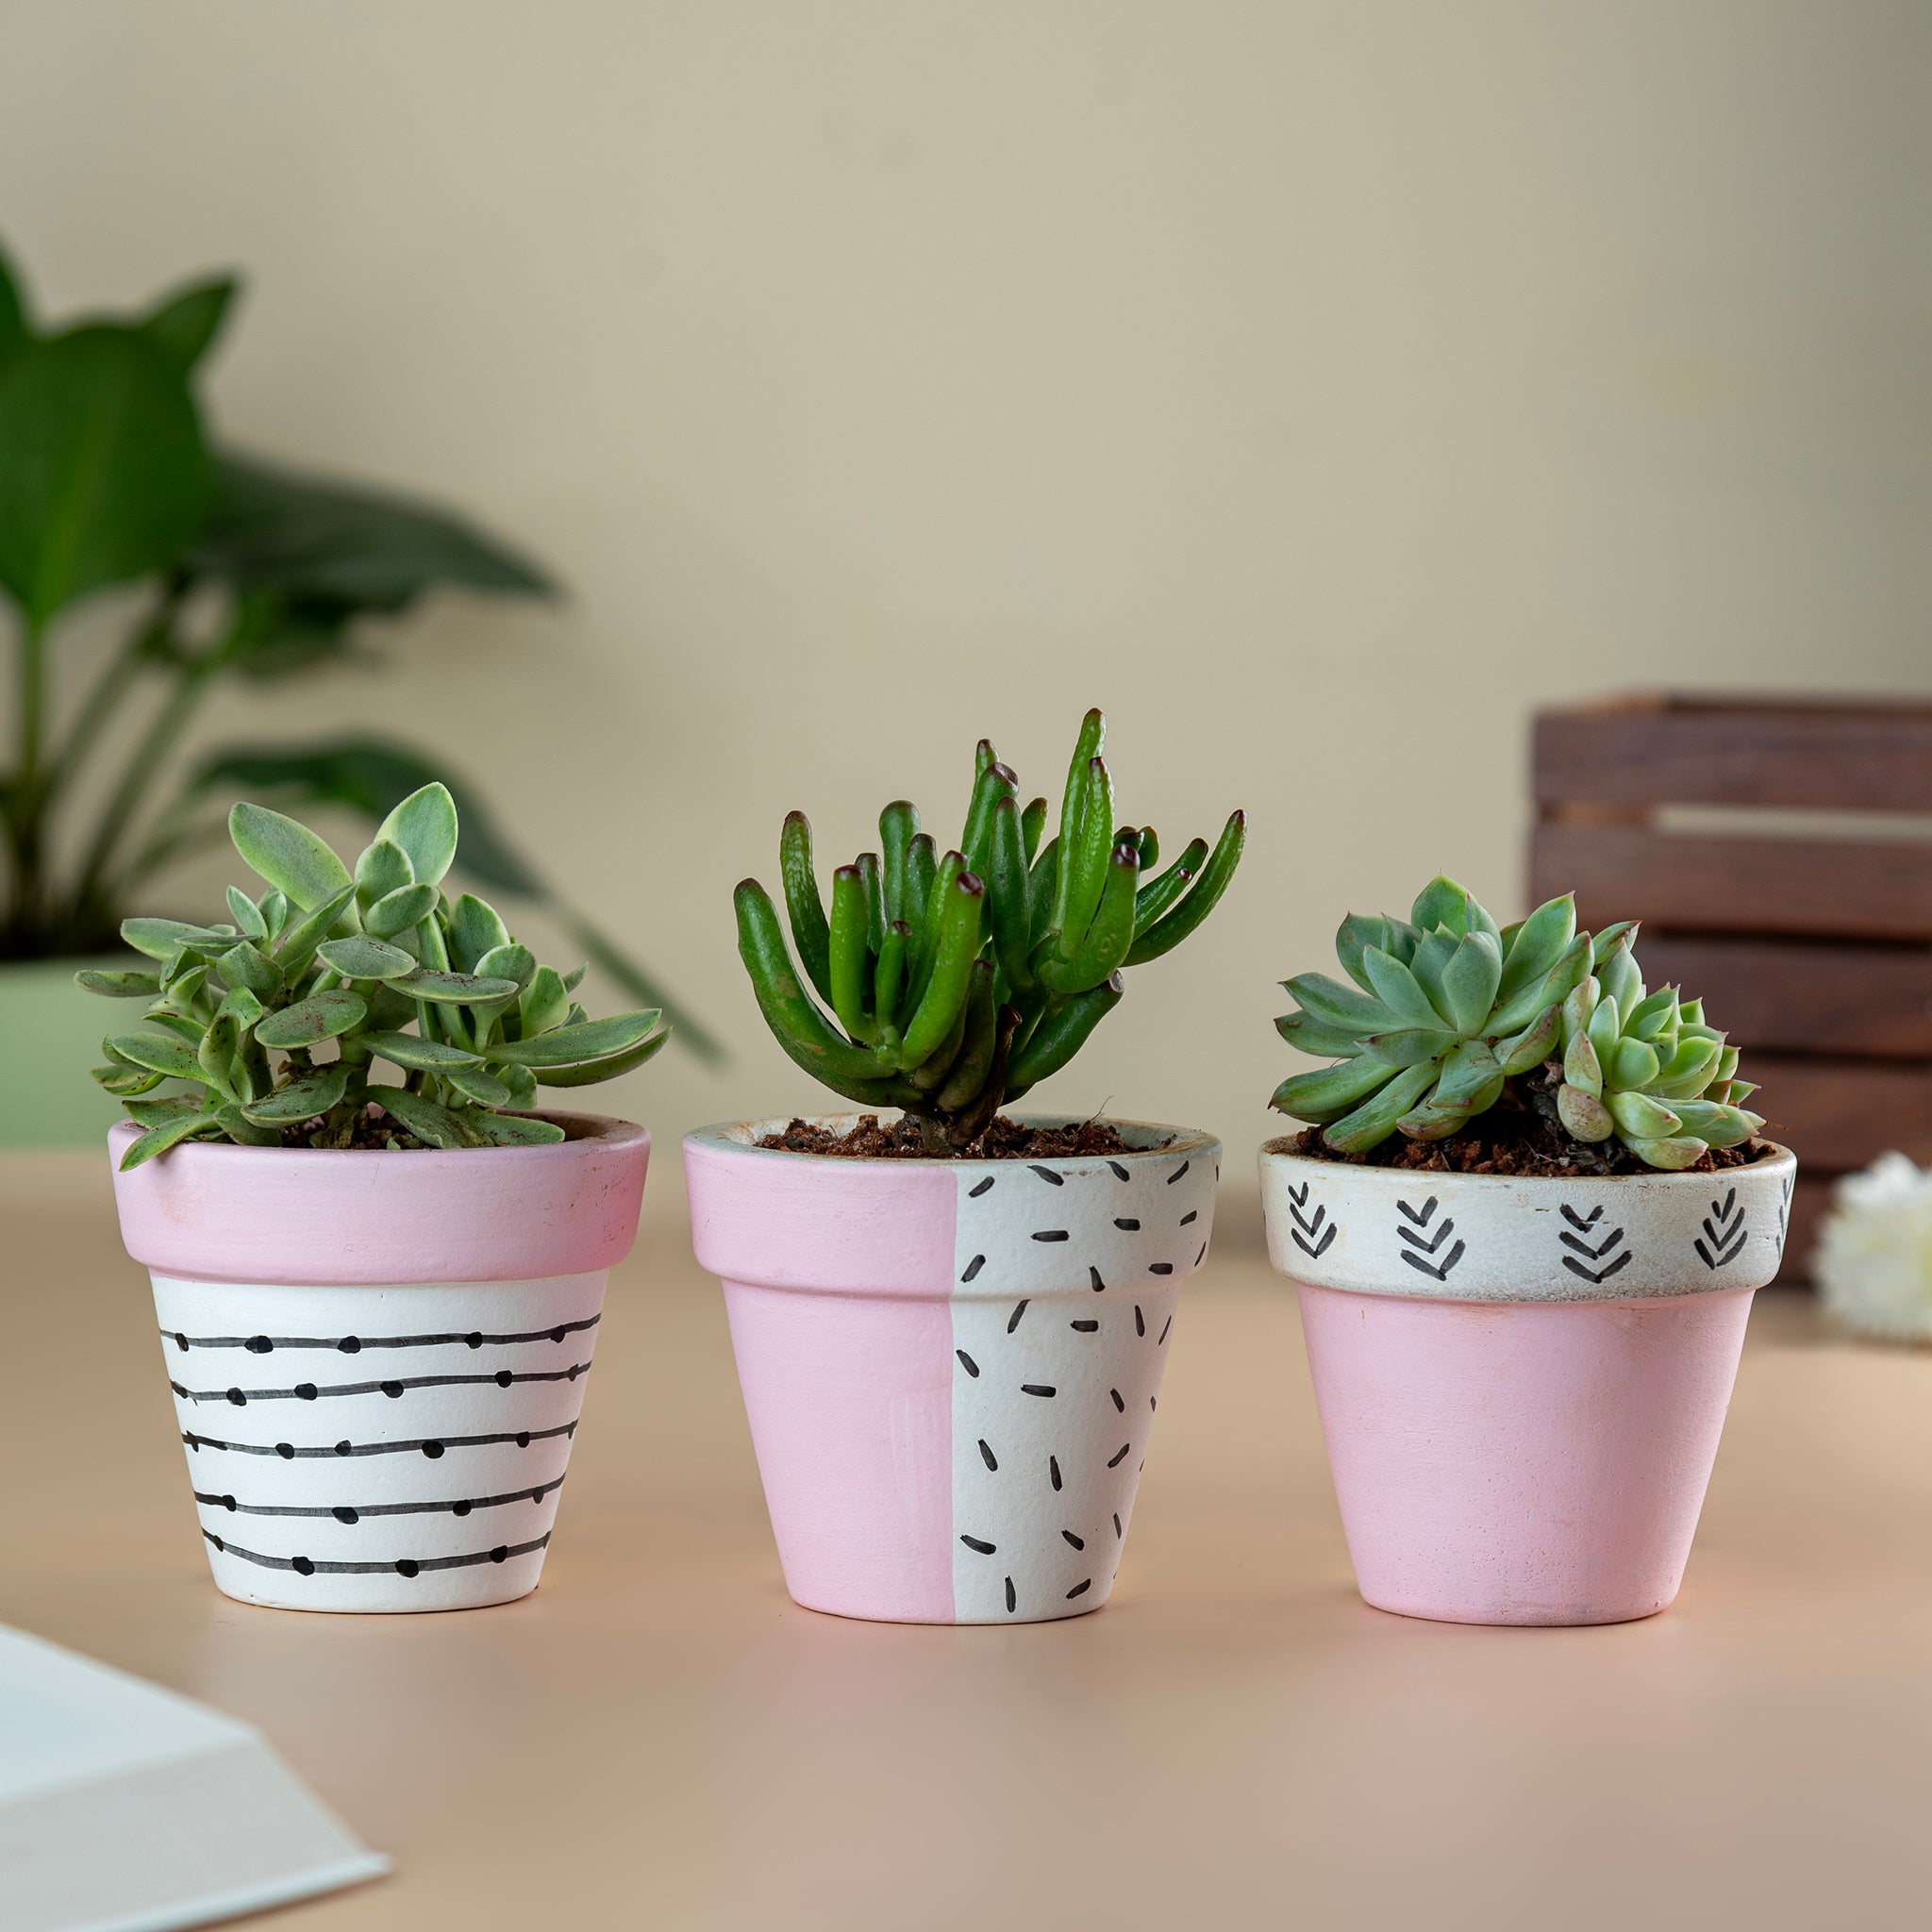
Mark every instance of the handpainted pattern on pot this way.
pixel 1596 1252
pixel 1311 1230
pixel 1420 1239
pixel 1062 1324
pixel 378 1448
pixel 1724 1234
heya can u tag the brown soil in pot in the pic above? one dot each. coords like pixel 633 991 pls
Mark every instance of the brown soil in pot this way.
pixel 1516 1137
pixel 1005 1140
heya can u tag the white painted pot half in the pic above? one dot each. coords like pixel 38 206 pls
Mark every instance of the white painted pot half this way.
pixel 1522 1381
pixel 950 1368
pixel 379 1359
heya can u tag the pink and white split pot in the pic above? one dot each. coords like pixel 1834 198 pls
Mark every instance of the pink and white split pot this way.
pixel 950 1368
pixel 1522 1382
pixel 379 1359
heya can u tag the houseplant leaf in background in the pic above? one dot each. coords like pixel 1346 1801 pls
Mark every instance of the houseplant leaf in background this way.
pixel 250 570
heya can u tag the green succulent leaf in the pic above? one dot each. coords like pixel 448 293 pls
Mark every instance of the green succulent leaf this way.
pixel 590 1072
pixel 1409 1046
pixel 1583 1114
pixel 515 1130
pixel 383 868
pixel 1470 981
pixel 434 1126
pixel 119 986
pixel 475 928
pixel 158 1140
pixel 1398 989
pixel 287 854
pixel 1672 1154
pixel 157 1053
pixel 1333 1091
pixel 1640 1118
pixel 246 914
pixel 419 1055
pixel 1536 1042
pixel 1342 1008
pixel 396 912
pixel 568 1045
pixel 308 1022
pixel 1302 1030
pixel 424 826
pixel 1371 1123
pixel 300 1098
pixel 458 988
pixel 360 958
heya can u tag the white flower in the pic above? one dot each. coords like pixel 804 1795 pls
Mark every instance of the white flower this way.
pixel 1874 1250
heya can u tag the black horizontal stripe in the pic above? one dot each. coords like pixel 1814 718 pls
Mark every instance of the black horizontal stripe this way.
pixel 469 1338
pixel 521 1438
pixel 309 1392
pixel 418 1564
pixel 459 1505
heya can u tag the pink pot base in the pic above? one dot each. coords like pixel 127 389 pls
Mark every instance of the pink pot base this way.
pixel 1521 1462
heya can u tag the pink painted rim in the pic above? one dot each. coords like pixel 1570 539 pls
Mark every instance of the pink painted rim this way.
pixel 301 1215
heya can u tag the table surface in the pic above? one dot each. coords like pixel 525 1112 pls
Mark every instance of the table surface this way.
pixel 659 1736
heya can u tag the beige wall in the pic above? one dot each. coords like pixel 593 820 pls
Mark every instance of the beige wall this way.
pixel 1319 388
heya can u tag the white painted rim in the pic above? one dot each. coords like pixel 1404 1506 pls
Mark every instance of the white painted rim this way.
pixel 1492 1238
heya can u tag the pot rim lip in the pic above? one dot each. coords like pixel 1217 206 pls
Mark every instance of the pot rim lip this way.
pixel 1274 1153
pixel 600 1131
pixel 730 1136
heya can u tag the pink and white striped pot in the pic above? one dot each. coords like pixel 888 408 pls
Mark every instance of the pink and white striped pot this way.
pixel 951 1367
pixel 1522 1382
pixel 378 1360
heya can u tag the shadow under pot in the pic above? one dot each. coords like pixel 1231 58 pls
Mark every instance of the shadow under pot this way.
pixel 950 1368
pixel 379 1359
pixel 1522 1382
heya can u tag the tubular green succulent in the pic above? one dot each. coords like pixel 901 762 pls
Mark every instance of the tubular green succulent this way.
pixel 1443 1010
pixel 1645 1067
pixel 347 962
pixel 948 984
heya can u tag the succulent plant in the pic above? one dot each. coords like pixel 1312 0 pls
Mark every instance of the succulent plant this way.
pixel 245 1011
pixel 1445 1008
pixel 1645 1066
pixel 959 980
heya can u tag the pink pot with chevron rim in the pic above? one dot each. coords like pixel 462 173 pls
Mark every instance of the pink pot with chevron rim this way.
pixel 378 1359
pixel 950 1368
pixel 1522 1382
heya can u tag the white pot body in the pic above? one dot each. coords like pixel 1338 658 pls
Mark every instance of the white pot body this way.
pixel 379 1359
pixel 378 1448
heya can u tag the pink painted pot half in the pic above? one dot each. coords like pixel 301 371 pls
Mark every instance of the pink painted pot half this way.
pixel 951 1368
pixel 1522 1383
pixel 378 1360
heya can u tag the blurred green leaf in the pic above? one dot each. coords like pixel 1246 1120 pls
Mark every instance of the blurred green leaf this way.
pixel 102 475
pixel 13 325
pixel 183 324
pixel 336 544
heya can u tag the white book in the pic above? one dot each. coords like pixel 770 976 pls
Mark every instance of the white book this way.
pixel 126 1809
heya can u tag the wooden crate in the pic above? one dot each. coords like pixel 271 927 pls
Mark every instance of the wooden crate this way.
pixel 1779 852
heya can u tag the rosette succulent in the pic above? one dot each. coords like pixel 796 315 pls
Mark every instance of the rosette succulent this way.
pixel 1446 1011
pixel 957 981
pixel 1445 1007
pixel 278 1019
pixel 1645 1066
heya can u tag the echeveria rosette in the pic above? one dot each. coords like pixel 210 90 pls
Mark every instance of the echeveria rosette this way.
pixel 330 970
pixel 1645 1066
pixel 950 983
pixel 1444 1008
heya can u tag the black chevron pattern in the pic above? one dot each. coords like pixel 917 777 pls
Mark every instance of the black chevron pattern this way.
pixel 1424 1246
pixel 1311 1233
pixel 1580 1243
pixel 1725 1232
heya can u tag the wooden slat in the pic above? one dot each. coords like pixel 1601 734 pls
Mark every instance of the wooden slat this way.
pixel 1833 889
pixel 1662 751
pixel 1837 1115
pixel 1806 998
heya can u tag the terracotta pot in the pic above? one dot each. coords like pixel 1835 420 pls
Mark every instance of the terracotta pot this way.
pixel 1522 1382
pixel 378 1360
pixel 950 1368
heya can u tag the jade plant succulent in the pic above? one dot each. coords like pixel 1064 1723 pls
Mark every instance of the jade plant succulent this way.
pixel 279 1018
pixel 960 979
pixel 1446 1009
